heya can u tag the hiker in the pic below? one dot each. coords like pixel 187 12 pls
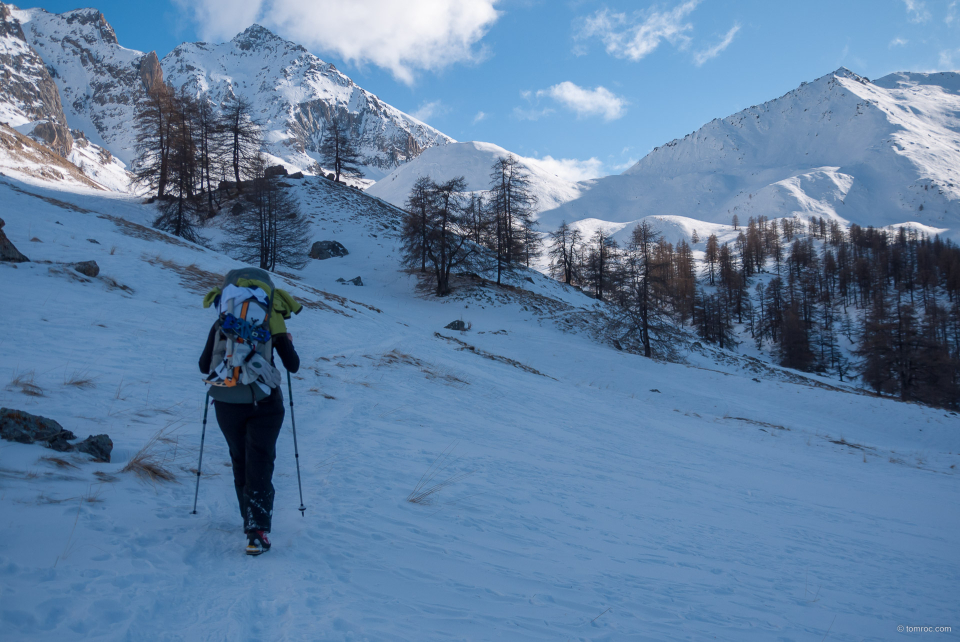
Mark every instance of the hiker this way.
pixel 247 397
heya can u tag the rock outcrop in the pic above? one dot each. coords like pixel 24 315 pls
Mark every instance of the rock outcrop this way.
pixel 30 100
pixel 9 252
pixel 99 81
pixel 25 428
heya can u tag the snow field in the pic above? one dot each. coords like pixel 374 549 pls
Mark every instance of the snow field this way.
pixel 608 498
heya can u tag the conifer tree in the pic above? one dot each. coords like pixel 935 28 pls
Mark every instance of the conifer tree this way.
pixel 339 150
pixel 242 138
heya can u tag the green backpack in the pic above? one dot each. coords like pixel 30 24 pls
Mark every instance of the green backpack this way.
pixel 240 369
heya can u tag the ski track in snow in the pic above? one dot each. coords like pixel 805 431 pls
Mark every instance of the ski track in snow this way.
pixel 592 508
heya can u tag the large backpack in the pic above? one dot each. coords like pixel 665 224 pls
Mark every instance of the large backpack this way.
pixel 240 369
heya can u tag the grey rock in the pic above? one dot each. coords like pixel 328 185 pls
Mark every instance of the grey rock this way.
pixel 22 427
pixel 275 170
pixel 97 446
pixel 323 250
pixel 87 268
pixel 94 241
pixel 297 175
pixel 9 252
pixel 355 281
pixel 458 325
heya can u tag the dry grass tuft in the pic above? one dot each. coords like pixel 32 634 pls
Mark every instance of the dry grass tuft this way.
pixel 113 284
pixel 430 371
pixel 192 276
pixel 154 460
pixel 464 346
pixel 58 462
pixel 23 381
pixel 104 477
pixel 80 379
pixel 425 492
pixel 43 498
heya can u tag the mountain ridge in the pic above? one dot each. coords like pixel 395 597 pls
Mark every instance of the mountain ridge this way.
pixel 99 82
pixel 842 147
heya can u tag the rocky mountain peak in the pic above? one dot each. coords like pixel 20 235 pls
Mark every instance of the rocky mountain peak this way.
pixel 96 19
pixel 257 37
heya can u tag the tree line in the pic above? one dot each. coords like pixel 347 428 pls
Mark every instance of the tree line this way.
pixel 894 296
pixel 447 227
pixel 192 156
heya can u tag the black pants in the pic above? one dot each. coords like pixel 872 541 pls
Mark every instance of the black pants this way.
pixel 251 432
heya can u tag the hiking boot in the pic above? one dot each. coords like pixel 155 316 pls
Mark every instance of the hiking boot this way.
pixel 257 543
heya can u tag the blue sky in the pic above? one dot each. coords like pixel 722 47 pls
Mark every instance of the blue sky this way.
pixel 597 84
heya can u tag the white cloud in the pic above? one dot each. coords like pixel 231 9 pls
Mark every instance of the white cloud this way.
pixel 917 10
pixel 946 59
pixel 709 54
pixel 951 12
pixel 402 37
pixel 636 36
pixel 897 42
pixel 426 111
pixel 531 114
pixel 571 169
pixel 587 102
pixel 480 116
pixel 622 167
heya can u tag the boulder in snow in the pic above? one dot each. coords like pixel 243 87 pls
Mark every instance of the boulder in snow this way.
pixel 355 281
pixel 99 447
pixel 22 427
pixel 7 250
pixel 87 268
pixel 322 250
pixel 458 325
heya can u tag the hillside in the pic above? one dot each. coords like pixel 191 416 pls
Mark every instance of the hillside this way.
pixel 591 493
pixel 472 160
pixel 841 147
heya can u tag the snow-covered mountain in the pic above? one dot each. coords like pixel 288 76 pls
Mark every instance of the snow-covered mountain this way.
pixel 294 94
pixel 472 160
pixel 872 153
pixel 29 100
pixel 99 81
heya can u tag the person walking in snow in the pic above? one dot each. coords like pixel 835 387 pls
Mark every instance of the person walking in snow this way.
pixel 238 359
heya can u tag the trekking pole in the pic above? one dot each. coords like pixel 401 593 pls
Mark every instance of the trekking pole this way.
pixel 296 453
pixel 203 434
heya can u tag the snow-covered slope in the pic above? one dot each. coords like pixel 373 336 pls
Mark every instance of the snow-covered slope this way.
pixel 473 161
pixel 842 147
pixel 294 94
pixel 24 158
pixel 590 493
